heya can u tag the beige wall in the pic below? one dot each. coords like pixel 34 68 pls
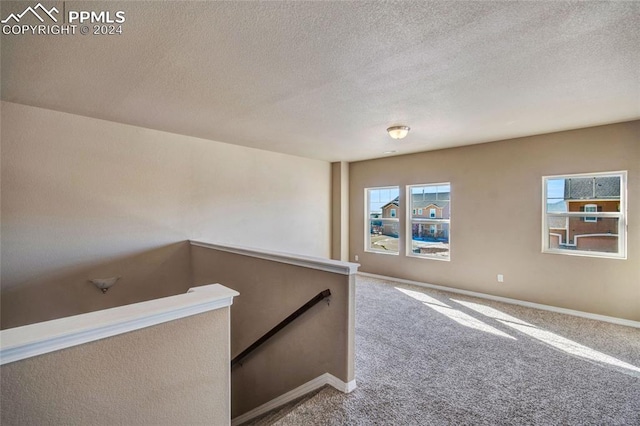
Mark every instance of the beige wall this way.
pixel 496 219
pixel 159 272
pixel 340 211
pixel 85 198
pixel 152 376
pixel 320 341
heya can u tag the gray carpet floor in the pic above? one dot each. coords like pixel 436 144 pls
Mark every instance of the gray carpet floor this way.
pixel 426 357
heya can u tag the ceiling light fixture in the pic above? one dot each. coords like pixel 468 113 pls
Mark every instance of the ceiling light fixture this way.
pixel 398 132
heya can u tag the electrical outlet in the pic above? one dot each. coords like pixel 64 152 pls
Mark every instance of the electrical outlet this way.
pixel 357 258
pixel 500 278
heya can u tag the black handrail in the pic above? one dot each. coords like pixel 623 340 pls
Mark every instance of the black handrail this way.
pixel 304 308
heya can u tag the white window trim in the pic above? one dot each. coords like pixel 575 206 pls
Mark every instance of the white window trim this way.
pixel 591 219
pixel 410 221
pixel 621 215
pixel 367 219
pixel 433 212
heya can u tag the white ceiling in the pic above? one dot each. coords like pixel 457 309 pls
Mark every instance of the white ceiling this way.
pixel 325 79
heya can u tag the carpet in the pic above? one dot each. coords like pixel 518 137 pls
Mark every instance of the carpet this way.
pixel 427 357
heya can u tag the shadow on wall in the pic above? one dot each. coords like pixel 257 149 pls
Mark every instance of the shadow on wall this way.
pixel 150 274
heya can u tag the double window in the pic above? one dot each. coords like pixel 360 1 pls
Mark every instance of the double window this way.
pixel 567 229
pixel 428 220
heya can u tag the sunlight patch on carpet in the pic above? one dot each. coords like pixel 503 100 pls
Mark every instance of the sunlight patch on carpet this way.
pixel 492 313
pixel 422 297
pixel 454 314
pixel 551 339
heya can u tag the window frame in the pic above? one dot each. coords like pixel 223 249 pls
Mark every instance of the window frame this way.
pixel 367 221
pixel 591 219
pixel 427 220
pixel 621 215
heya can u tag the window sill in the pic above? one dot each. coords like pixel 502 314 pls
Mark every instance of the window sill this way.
pixel 441 259
pixel 382 252
pixel 586 254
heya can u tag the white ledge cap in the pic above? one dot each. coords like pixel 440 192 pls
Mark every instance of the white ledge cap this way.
pixel 43 337
pixel 328 265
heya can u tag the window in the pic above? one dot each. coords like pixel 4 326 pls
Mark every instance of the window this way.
pixel 566 228
pixel 590 208
pixel 429 236
pixel 381 220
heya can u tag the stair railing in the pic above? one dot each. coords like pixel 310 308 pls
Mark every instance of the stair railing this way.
pixel 304 308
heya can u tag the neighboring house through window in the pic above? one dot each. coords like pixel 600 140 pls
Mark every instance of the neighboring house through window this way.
pixel 429 235
pixel 382 233
pixel 566 227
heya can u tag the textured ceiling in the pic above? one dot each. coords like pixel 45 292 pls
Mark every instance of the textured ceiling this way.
pixel 325 79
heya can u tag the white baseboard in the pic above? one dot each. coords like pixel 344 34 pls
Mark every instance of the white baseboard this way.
pixel 310 386
pixel 613 320
pixel 339 384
